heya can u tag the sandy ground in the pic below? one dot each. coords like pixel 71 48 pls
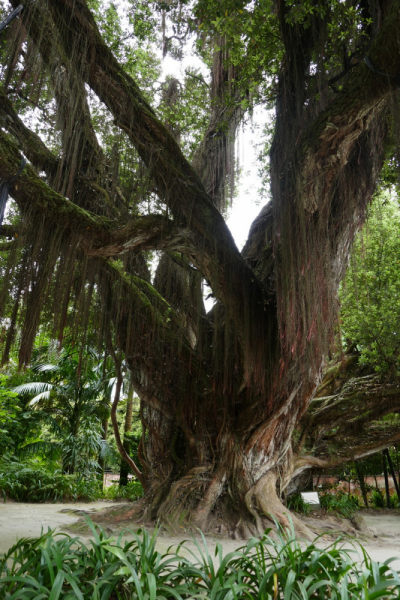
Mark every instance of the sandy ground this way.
pixel 380 536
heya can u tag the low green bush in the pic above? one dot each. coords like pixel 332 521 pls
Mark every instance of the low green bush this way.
pixel 32 482
pixel 36 484
pixel 297 503
pixel 59 567
pixel 132 491
pixel 377 499
pixel 341 503
pixel 394 501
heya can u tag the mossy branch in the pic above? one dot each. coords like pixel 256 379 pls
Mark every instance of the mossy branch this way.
pixel 99 235
pixel 34 195
pixel 30 143
pixel 216 254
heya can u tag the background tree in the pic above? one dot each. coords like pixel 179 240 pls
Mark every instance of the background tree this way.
pixel 222 392
pixel 132 436
pixel 370 295
pixel 74 390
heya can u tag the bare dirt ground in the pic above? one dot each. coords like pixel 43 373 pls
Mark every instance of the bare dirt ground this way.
pixel 378 531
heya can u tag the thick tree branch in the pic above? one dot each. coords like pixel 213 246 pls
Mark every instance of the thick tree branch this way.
pixel 34 195
pixel 178 184
pixel 334 134
pixel 149 311
pixel 74 117
pixel 346 425
pixel 364 448
pixel 99 236
pixel 30 143
pixel 150 232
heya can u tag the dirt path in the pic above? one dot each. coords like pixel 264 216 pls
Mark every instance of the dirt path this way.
pixel 18 520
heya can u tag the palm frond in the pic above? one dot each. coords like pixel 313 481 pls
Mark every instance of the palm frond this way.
pixel 33 387
pixel 45 448
pixel 106 452
pixel 45 368
pixel 39 397
pixel 111 385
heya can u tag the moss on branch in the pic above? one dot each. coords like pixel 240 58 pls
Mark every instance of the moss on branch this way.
pixel 34 195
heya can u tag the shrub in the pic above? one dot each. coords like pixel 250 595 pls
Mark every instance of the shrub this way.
pixel 132 491
pixel 296 502
pixel 340 503
pixel 64 568
pixel 377 499
pixel 36 484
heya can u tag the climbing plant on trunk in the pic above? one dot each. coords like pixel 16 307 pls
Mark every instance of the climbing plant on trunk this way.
pixel 222 392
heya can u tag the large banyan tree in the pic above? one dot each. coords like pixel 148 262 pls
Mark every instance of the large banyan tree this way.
pixel 114 189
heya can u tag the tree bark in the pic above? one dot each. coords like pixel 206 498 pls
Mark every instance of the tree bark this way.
pixel 124 469
pixel 386 479
pixel 360 475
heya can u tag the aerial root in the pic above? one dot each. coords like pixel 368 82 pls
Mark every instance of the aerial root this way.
pixel 264 505
pixel 182 496
pixel 134 513
pixel 207 503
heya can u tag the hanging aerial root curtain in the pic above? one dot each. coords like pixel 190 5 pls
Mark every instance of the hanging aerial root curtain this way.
pixel 5 189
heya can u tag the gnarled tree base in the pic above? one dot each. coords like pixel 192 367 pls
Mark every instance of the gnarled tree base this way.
pixel 195 503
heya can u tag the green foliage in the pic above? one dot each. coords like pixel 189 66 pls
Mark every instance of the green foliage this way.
pixel 9 413
pixel 251 33
pixel 132 491
pixel 60 567
pixel 82 449
pixel 74 390
pixel 296 502
pixel 370 294
pixel 19 427
pixel 340 503
pixel 377 499
pixel 26 482
pixel 372 464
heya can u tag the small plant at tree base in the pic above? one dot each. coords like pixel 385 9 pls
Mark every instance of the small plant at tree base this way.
pixel 296 502
pixel 132 491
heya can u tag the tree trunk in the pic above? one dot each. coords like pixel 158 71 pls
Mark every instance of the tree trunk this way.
pixel 102 460
pixel 360 475
pixel 124 468
pixel 220 422
pixel 386 479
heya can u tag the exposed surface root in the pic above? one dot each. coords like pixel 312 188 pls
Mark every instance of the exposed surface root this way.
pixel 198 502
pixel 263 503
pixel 129 512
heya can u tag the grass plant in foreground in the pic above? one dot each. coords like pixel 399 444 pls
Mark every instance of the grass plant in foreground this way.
pixel 54 567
